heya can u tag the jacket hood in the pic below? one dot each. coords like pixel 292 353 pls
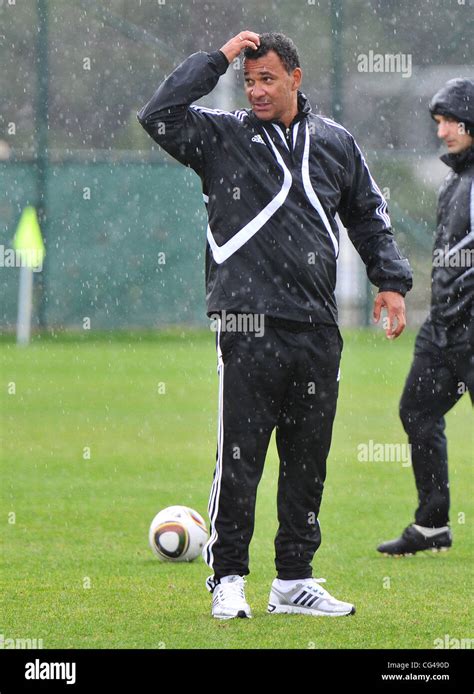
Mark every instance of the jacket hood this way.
pixel 303 103
pixel 455 99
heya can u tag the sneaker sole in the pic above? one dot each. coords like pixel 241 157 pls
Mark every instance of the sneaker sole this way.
pixel 241 614
pixel 434 550
pixel 294 609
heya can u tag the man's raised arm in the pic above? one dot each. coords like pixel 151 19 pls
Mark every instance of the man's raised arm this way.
pixel 168 117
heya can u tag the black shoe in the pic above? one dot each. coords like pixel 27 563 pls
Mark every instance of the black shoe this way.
pixel 412 541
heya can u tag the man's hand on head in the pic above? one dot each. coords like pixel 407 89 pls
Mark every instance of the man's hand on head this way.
pixel 394 303
pixel 244 39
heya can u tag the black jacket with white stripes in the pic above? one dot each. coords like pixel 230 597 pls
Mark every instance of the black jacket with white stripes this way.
pixel 452 279
pixel 272 195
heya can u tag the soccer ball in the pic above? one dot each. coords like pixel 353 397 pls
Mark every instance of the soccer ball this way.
pixel 177 533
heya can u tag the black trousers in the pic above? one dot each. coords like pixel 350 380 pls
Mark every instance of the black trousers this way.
pixel 440 374
pixel 286 380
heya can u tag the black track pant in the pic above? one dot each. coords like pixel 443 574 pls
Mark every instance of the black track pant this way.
pixel 286 380
pixel 439 376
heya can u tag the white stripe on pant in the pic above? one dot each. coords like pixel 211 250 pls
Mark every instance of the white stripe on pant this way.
pixel 213 506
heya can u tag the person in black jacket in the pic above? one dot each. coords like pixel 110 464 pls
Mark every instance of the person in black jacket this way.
pixel 274 177
pixel 443 367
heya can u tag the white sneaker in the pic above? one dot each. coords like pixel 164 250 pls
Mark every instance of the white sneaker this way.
pixel 307 597
pixel 228 598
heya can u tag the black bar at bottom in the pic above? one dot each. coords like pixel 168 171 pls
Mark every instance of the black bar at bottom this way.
pixel 148 670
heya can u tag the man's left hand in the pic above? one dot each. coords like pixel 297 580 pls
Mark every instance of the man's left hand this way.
pixel 395 305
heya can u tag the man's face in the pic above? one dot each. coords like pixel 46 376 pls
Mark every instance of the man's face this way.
pixel 453 133
pixel 271 91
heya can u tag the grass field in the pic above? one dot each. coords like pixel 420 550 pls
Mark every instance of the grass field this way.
pixel 78 572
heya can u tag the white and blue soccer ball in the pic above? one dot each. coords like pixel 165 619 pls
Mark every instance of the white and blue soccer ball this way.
pixel 177 533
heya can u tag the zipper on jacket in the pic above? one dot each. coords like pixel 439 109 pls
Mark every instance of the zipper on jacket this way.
pixel 288 138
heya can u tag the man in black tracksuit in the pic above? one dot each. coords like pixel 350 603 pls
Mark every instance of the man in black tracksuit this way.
pixel 443 367
pixel 273 178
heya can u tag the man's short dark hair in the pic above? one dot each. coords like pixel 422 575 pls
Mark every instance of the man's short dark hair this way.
pixel 281 44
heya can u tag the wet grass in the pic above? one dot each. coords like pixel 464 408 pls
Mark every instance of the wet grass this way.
pixel 93 448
